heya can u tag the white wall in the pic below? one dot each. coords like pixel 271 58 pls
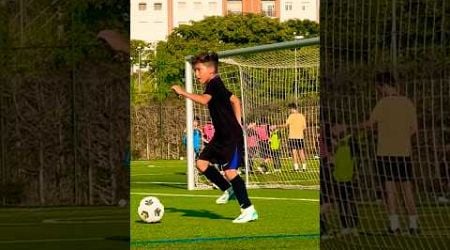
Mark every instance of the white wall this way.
pixel 195 10
pixel 149 25
pixel 301 9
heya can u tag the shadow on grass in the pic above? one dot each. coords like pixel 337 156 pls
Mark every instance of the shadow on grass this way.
pixel 197 213
pixel 180 173
pixel 177 186
pixel 143 222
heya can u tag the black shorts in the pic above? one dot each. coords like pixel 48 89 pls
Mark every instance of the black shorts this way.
pixel 227 154
pixel 264 149
pixel 296 144
pixel 395 168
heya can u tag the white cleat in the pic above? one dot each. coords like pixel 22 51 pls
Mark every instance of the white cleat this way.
pixel 247 215
pixel 226 196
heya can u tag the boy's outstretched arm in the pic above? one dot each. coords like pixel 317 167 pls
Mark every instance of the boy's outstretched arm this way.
pixel 285 125
pixel 202 99
pixel 281 126
pixel 236 104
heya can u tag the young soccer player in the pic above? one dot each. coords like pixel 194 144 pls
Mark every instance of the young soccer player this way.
pixel 444 177
pixel 395 118
pixel 296 123
pixel 252 144
pixel 208 133
pixel 326 180
pixel 227 145
pixel 275 145
pixel 345 160
pixel 262 132
pixel 197 137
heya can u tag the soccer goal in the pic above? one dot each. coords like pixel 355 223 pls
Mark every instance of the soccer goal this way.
pixel 359 41
pixel 267 79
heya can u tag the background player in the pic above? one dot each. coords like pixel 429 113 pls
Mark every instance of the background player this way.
pixel 395 119
pixel 296 123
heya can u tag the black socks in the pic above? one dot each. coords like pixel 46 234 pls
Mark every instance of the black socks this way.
pixel 237 183
pixel 241 192
pixel 215 177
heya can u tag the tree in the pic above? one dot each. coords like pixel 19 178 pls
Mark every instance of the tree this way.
pixel 304 28
pixel 140 48
pixel 220 33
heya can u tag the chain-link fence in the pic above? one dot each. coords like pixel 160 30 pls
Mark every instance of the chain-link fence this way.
pixel 64 127
pixel 157 129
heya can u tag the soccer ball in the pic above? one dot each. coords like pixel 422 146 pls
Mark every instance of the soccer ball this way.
pixel 150 209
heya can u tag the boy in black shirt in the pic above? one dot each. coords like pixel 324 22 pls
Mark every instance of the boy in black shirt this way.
pixel 227 145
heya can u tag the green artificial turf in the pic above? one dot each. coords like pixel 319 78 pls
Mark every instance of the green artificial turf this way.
pixel 64 228
pixel 289 219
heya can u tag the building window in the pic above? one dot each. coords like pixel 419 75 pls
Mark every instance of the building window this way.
pixel 268 8
pixel 157 6
pixel 303 7
pixel 288 6
pixel 197 5
pixel 142 6
pixel 212 6
pixel 270 11
pixel 234 7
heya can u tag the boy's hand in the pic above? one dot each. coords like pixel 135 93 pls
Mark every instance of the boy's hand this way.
pixel 115 40
pixel 179 90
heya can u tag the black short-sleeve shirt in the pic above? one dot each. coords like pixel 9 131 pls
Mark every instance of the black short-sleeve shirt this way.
pixel 226 126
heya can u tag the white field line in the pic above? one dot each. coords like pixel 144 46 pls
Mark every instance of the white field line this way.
pixel 50 240
pixel 159 182
pixel 215 196
pixel 147 174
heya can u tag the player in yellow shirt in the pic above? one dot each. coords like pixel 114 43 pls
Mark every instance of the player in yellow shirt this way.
pixel 296 122
pixel 395 120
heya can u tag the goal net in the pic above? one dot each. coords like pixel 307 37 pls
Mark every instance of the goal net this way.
pixel 359 40
pixel 267 82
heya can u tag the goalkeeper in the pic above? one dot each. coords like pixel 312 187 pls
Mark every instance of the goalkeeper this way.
pixel 227 145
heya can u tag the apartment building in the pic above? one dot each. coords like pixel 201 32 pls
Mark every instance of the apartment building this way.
pixel 153 20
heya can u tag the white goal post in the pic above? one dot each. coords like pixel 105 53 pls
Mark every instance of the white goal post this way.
pixel 266 78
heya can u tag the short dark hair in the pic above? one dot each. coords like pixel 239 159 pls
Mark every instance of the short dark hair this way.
pixel 385 78
pixel 292 105
pixel 209 57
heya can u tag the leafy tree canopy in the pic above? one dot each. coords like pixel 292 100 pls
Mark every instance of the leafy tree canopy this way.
pixel 221 33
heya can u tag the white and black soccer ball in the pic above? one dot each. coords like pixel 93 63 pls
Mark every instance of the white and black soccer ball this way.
pixel 150 209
